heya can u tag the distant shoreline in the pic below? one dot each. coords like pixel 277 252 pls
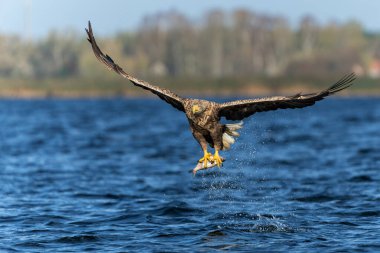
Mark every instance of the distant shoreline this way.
pixel 221 95
pixel 196 87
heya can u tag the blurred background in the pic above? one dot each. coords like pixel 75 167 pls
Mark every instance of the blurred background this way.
pixel 196 48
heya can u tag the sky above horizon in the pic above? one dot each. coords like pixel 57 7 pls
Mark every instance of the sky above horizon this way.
pixel 35 18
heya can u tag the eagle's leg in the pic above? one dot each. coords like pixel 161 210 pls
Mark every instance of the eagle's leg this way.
pixel 207 157
pixel 217 158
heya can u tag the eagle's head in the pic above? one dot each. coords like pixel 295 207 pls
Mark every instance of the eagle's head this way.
pixel 197 109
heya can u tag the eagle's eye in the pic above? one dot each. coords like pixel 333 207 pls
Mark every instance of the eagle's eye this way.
pixel 196 109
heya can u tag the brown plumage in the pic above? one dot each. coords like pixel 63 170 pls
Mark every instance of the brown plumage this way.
pixel 204 116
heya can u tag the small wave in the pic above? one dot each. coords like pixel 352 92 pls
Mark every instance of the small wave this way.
pixel 370 214
pixel 101 196
pixel 127 217
pixel 366 150
pixel 163 235
pixel 360 178
pixel 53 224
pixel 30 245
pixel 352 119
pixel 347 223
pixel 300 138
pixel 216 233
pixel 317 198
pixel 287 162
pixel 175 208
pixel 78 239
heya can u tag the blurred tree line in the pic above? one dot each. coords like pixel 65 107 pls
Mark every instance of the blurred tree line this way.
pixel 222 44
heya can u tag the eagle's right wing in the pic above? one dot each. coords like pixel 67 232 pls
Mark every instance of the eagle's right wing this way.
pixel 164 94
pixel 237 110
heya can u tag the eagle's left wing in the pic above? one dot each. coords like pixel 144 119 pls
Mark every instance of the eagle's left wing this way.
pixel 237 110
pixel 164 94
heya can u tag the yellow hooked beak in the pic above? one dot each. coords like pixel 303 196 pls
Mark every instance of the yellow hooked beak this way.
pixel 196 109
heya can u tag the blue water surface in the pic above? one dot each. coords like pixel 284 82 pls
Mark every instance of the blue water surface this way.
pixel 112 175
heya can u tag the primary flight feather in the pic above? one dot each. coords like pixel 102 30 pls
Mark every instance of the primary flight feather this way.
pixel 204 116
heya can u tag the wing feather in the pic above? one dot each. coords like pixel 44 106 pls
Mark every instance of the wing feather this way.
pixel 162 93
pixel 240 109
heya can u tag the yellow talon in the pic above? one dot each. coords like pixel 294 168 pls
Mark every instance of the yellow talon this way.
pixel 217 159
pixel 207 157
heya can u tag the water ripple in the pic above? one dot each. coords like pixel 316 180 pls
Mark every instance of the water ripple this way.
pixel 111 176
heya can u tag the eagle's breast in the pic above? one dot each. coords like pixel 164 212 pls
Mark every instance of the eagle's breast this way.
pixel 206 120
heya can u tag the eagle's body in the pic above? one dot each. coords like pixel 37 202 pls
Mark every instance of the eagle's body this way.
pixel 204 116
pixel 205 126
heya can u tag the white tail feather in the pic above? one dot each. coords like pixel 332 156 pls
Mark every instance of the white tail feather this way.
pixel 226 145
pixel 235 126
pixel 230 133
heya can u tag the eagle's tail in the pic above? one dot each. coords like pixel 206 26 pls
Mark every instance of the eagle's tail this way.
pixel 229 133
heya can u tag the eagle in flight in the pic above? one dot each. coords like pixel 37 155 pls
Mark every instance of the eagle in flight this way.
pixel 204 116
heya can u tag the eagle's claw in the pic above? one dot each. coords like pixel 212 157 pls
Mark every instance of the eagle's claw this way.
pixel 218 159
pixel 206 158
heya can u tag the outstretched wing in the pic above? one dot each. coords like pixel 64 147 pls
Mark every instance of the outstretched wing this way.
pixel 237 110
pixel 164 94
